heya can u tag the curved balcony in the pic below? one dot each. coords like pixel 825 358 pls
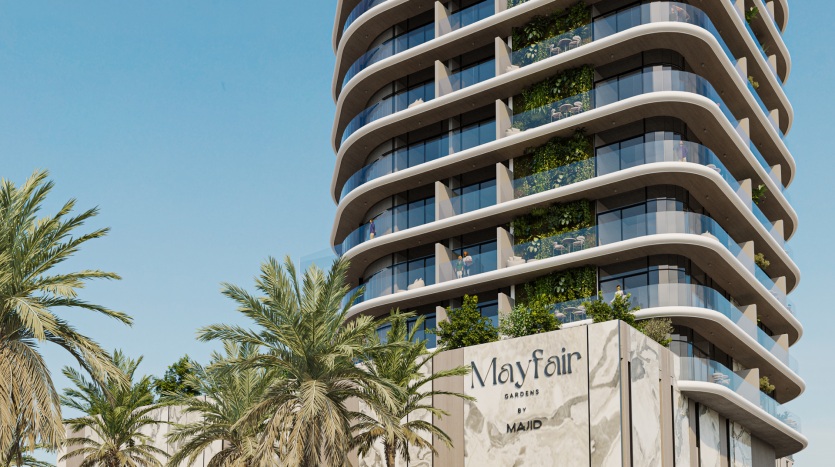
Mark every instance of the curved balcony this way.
pixel 609 160
pixel 390 221
pixel 390 48
pixel 391 105
pixel 359 10
pixel 658 12
pixel 353 149
pixel 733 396
pixel 607 233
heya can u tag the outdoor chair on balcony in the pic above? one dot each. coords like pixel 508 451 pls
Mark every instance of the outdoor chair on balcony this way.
pixel 555 49
pixel 559 248
pixel 581 240
pixel 555 115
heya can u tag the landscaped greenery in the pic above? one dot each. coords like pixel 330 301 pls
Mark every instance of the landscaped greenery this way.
pixel 540 28
pixel 465 326
pixel 175 379
pixel 532 318
pixel 36 301
pixel 563 85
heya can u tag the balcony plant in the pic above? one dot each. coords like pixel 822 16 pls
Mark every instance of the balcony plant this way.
pixel 759 260
pixel 465 326
pixel 532 318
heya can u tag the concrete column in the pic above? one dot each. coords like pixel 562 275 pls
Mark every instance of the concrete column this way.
pixel 443 206
pixel 744 129
pixel 740 6
pixel 782 340
pixel 453 424
pixel 504 246
pixel 723 441
pixel 667 429
pixel 750 312
pixel 770 6
pixel 778 174
pixel 746 257
pixel 775 115
pixel 742 68
pixel 501 5
pixel 504 184
pixel 502 60
pixel 745 191
pixel 752 377
pixel 442 84
pixel 503 118
pixel 779 229
pixel 506 303
pixel 772 59
pixel 748 248
pixel 443 263
pixel 441 20
pixel 780 282
pixel 440 314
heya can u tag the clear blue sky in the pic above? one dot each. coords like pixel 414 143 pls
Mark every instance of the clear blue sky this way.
pixel 201 130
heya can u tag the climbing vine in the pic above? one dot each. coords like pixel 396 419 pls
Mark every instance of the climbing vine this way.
pixel 567 84
pixel 540 28
pixel 553 220
pixel 557 152
pixel 559 287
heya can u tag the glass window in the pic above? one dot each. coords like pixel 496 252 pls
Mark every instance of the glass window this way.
pixel 490 310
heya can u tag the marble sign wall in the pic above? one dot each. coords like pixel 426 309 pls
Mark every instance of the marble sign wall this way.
pixel 532 401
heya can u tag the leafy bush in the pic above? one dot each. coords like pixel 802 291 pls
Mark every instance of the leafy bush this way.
pixel 766 386
pixel 759 260
pixel 560 86
pixel 525 320
pixel 558 22
pixel 619 308
pixel 465 326
pixel 758 193
pixel 558 287
pixel 658 329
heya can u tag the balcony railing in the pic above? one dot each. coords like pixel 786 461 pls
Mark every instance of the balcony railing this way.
pixel 389 106
pixel 390 48
pixel 390 221
pixel 467 201
pixel 467 16
pixel 692 366
pixel 478 263
pixel 449 143
pixel 756 41
pixel 638 226
pixel 684 295
pixel 359 10
pixel 467 77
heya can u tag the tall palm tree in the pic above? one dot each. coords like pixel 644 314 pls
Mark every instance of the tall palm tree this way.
pixel 403 365
pixel 22 455
pixel 227 397
pixel 309 342
pixel 31 298
pixel 113 423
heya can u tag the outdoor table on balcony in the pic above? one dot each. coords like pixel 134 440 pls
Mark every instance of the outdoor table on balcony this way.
pixel 568 242
pixel 570 309
pixel 563 43
pixel 565 108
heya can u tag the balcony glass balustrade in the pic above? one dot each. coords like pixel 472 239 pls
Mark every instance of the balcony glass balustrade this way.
pixel 394 279
pixel 425 151
pixel 692 365
pixel 756 41
pixel 390 221
pixel 391 105
pixel 631 227
pixel 467 77
pixel 467 16
pixel 684 295
pixel 468 199
pixel 613 160
pixel 359 10
pixel 390 48
pixel 479 263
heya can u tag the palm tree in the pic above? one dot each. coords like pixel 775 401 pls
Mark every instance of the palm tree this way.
pixel 228 396
pixel 31 295
pixel 315 349
pixel 113 424
pixel 403 366
pixel 20 457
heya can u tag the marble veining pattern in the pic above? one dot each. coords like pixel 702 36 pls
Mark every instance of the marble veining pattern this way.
pixel 646 401
pixel 605 395
pixel 681 428
pixel 741 455
pixel 560 406
pixel 710 442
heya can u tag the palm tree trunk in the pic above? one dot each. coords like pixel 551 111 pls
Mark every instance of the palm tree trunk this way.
pixel 390 454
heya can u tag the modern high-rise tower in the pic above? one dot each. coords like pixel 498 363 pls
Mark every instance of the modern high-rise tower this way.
pixel 545 151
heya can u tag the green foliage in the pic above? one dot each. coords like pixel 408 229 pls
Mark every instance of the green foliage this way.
pixel 231 395
pixel 533 318
pixel 465 326
pixel 558 287
pixel 403 362
pixel 620 308
pixel 558 22
pixel 766 386
pixel 39 299
pixel 553 220
pixel 659 330
pixel 573 156
pixel 175 380
pixel 759 260
pixel 560 86
pixel 751 14
pixel 758 193
pixel 116 418
pixel 754 84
